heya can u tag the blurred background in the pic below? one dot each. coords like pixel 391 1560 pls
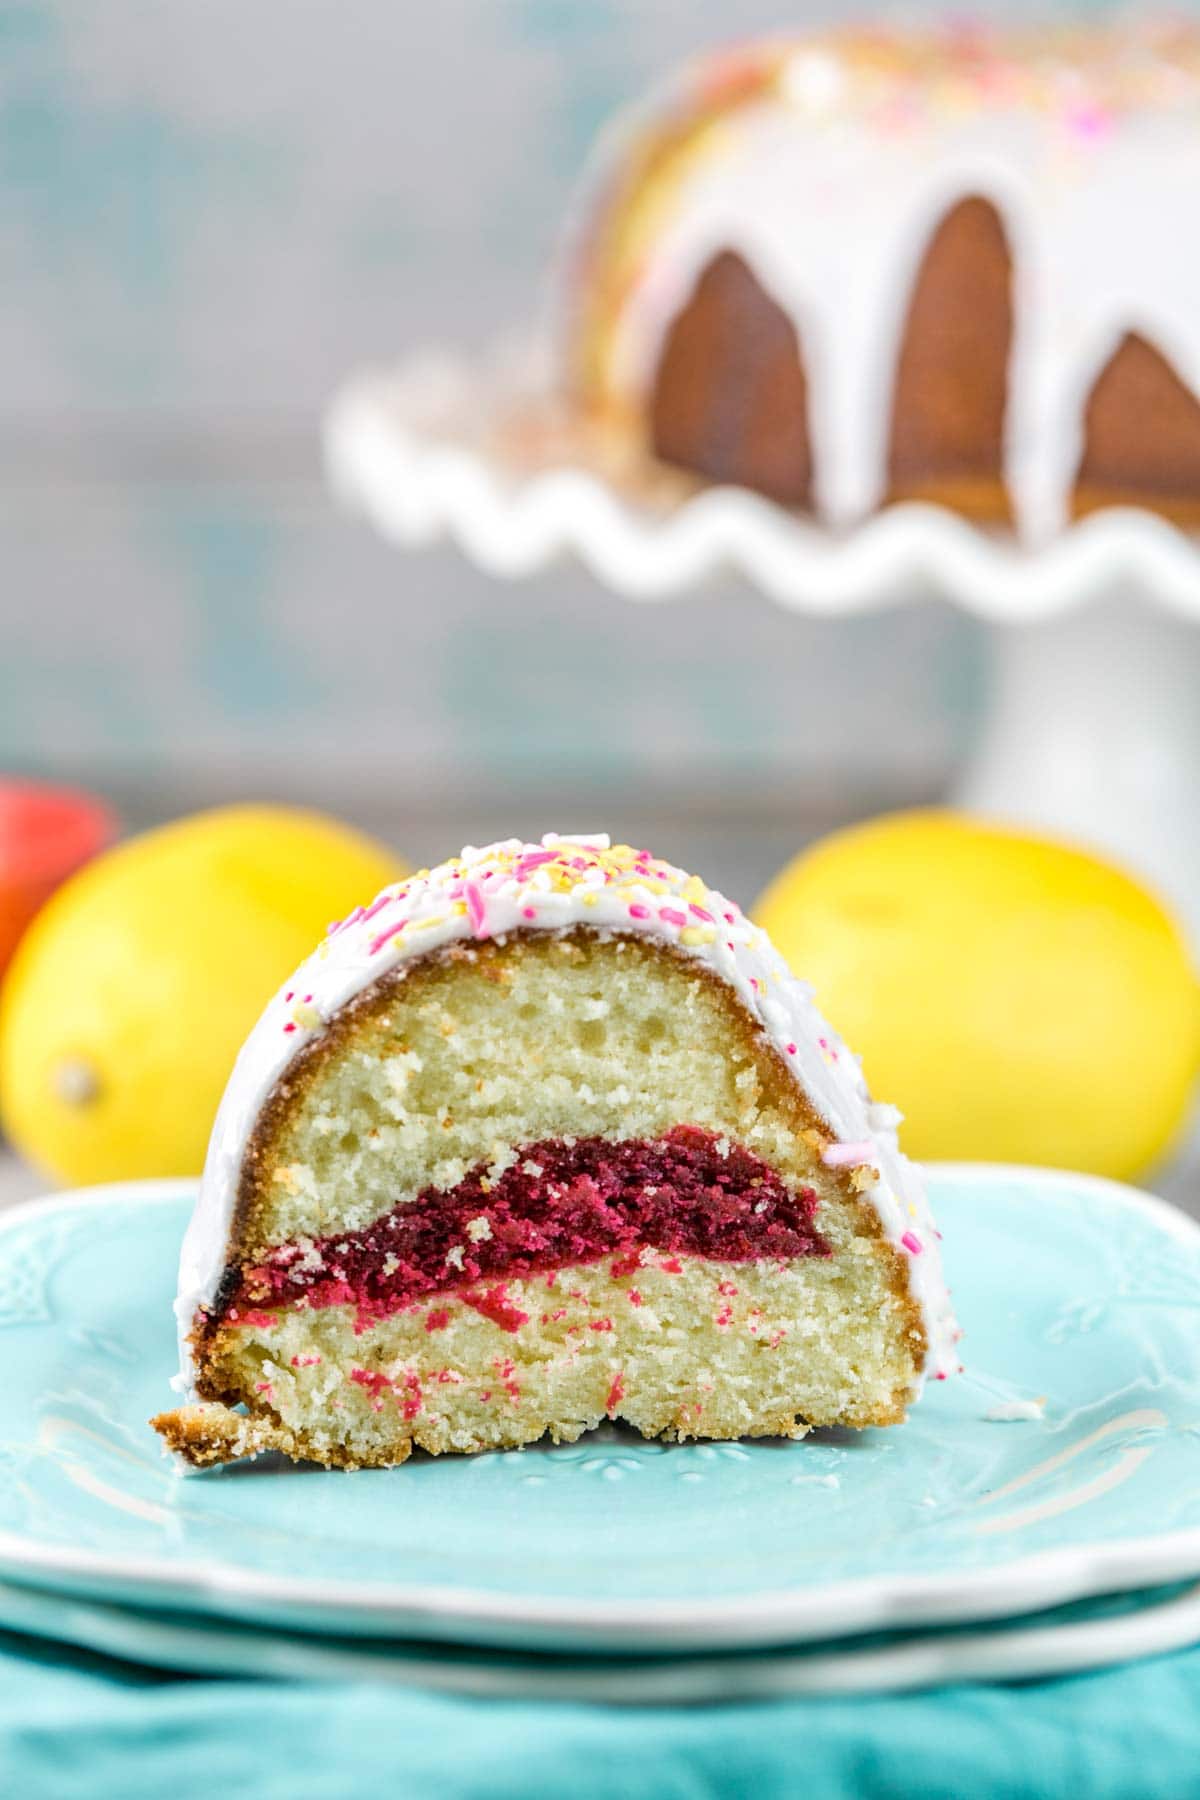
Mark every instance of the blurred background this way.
pixel 209 214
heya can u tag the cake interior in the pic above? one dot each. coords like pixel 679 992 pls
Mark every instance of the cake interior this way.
pixel 526 1186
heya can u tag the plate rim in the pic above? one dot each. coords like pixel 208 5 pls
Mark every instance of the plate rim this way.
pixel 856 1604
pixel 919 1661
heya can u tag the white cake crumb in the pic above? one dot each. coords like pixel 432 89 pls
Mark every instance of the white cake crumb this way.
pixel 1007 1412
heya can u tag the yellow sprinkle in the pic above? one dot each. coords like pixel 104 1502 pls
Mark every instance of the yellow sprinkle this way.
pixel 589 898
pixel 459 907
pixel 306 1017
pixel 697 934
pixel 694 889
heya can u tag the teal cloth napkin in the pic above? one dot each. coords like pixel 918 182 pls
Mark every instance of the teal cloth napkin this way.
pixel 72 1723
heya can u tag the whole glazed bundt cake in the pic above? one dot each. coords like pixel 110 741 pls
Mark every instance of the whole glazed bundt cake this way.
pixel 875 266
pixel 543 1136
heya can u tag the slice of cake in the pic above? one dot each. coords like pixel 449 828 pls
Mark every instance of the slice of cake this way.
pixel 543 1136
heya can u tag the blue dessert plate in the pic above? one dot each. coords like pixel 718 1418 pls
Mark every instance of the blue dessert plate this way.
pixel 1065 1462
pixel 1090 1634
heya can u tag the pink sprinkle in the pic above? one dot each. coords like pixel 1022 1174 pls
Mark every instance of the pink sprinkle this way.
pixel 616 1393
pixel 476 911
pixel 1087 119
pixel 848 1156
pixel 291 994
pixel 438 1319
pixel 370 1378
pixel 305 1362
pixel 376 906
pixel 671 915
pixel 600 1325
pixel 791 1049
pixel 729 918
pixel 700 912
pixel 912 1243
pixel 289 1027
pixel 529 912
pixel 377 944
pixel 264 1387
pixel 533 860
pixel 638 911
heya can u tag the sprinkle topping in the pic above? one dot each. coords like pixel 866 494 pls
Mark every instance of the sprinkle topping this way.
pixel 511 883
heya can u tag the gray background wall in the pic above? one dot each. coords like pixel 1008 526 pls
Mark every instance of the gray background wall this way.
pixel 210 212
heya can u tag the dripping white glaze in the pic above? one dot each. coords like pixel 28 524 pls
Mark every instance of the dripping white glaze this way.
pixel 833 210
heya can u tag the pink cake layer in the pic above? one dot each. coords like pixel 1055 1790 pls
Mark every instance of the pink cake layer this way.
pixel 561 1203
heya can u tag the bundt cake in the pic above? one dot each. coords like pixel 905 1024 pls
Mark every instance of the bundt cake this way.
pixel 543 1136
pixel 938 265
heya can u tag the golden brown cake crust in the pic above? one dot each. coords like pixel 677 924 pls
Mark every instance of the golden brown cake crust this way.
pixel 730 400
pixel 209 1433
pixel 951 383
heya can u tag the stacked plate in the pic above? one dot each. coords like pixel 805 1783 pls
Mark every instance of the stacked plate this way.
pixel 1038 1515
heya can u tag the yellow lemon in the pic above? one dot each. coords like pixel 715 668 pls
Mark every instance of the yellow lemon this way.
pixel 1020 1001
pixel 131 992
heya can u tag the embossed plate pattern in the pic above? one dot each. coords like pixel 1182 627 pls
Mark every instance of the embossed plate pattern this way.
pixel 1070 1288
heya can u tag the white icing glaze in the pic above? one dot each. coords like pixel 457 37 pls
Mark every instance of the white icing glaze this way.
pixel 511 887
pixel 832 204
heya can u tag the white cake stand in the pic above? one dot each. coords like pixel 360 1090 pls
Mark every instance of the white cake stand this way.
pixel 1094 726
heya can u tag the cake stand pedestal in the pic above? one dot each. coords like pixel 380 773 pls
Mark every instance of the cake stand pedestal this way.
pixel 1093 732
pixel 1094 726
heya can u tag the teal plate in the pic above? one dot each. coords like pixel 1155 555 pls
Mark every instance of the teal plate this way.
pixel 1090 1634
pixel 1073 1289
